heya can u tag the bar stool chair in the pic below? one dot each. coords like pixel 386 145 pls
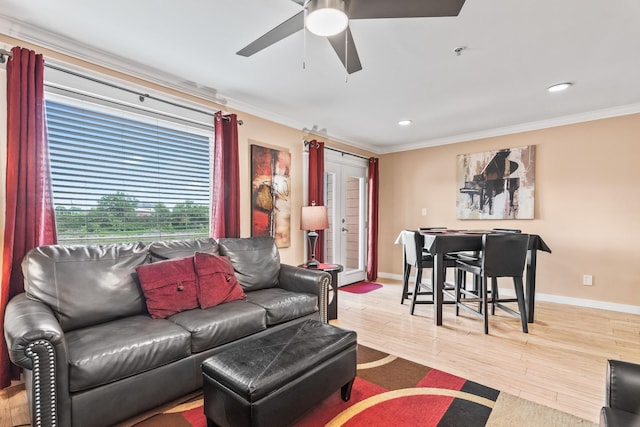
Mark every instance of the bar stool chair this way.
pixel 411 252
pixel 421 259
pixel 410 260
pixel 503 255
pixel 497 297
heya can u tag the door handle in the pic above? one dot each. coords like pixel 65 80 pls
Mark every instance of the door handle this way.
pixel 344 229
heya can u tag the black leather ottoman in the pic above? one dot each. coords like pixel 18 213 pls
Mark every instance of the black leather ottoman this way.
pixel 273 379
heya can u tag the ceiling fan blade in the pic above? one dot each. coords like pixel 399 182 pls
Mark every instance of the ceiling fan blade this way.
pixel 284 30
pixel 368 9
pixel 338 44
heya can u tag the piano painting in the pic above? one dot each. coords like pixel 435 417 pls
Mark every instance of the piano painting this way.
pixel 496 184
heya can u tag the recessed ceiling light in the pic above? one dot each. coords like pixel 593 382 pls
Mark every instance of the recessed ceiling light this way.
pixel 404 122
pixel 559 87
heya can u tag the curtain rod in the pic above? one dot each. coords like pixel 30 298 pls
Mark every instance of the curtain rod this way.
pixel 306 143
pixel 141 96
pixel 4 53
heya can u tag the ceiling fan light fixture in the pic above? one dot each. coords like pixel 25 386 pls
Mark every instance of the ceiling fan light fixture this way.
pixel 326 17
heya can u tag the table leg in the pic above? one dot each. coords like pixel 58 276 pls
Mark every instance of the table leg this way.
pixel 439 271
pixel 530 294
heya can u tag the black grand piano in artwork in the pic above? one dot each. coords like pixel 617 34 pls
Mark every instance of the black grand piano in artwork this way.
pixel 493 180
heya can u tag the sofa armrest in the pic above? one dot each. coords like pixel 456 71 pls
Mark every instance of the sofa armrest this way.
pixel 298 279
pixel 35 342
pixel 623 386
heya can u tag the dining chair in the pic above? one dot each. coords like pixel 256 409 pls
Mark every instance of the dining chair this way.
pixel 503 255
pixel 410 257
pixel 416 256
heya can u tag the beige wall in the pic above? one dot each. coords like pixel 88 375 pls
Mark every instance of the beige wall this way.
pixel 587 200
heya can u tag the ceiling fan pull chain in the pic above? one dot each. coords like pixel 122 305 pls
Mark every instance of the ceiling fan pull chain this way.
pixel 304 39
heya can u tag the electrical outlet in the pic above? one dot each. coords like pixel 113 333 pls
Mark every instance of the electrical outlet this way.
pixel 424 211
pixel 587 280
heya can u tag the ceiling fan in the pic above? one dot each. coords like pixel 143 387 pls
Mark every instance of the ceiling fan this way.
pixel 322 14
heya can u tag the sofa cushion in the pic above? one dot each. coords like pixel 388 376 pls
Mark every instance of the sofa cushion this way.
pixel 86 285
pixel 217 282
pixel 181 248
pixel 256 261
pixel 121 348
pixel 221 324
pixel 282 305
pixel 169 286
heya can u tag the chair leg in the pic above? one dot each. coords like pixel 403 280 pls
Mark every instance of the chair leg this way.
pixel 416 289
pixel 405 282
pixel 477 289
pixel 519 288
pixel 463 280
pixel 459 273
pixel 494 295
pixel 485 309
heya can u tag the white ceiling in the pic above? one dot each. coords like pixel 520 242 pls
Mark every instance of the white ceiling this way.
pixel 514 51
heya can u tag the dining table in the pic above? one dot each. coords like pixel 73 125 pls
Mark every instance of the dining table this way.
pixel 441 242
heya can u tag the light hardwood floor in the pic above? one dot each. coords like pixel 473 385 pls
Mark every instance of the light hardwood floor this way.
pixel 561 363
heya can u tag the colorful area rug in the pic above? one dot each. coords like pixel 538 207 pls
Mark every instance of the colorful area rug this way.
pixel 390 391
pixel 361 287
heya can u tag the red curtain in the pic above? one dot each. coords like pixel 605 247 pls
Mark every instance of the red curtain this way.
pixel 372 248
pixel 29 220
pixel 225 198
pixel 316 187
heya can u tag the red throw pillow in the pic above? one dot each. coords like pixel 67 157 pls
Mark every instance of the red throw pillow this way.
pixel 169 286
pixel 217 281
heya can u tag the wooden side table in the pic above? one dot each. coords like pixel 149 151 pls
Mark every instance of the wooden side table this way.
pixel 333 269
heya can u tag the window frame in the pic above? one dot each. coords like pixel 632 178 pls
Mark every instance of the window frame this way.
pixel 195 122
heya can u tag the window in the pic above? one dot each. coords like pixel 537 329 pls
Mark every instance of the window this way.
pixel 122 176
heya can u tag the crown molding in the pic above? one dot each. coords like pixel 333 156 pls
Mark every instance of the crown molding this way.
pixel 524 127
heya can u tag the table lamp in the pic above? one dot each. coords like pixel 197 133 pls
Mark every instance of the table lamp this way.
pixel 313 218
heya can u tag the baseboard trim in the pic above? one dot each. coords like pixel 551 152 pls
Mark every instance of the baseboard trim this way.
pixel 578 302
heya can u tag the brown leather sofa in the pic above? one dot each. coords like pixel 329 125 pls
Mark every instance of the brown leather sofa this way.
pixel 92 355
pixel 622 406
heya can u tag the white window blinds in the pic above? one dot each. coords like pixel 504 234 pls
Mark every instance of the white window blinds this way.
pixel 118 176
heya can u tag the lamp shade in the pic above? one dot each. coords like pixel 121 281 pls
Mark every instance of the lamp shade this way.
pixel 314 218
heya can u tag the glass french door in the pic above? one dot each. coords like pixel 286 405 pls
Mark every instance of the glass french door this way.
pixel 346 201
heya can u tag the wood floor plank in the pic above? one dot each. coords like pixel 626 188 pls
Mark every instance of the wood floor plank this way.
pixel 14 409
pixel 5 410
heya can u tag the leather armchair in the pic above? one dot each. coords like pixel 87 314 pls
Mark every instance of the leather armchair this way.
pixel 622 406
